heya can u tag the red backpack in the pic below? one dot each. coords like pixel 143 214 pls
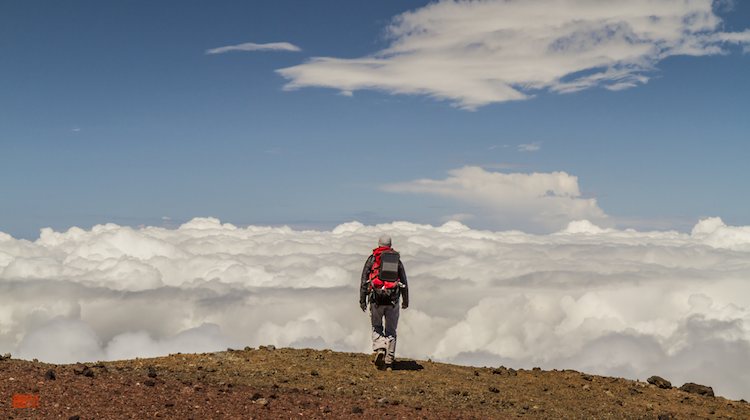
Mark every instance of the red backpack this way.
pixel 384 281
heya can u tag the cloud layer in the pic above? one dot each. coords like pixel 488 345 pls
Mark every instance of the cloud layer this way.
pixel 251 46
pixel 606 301
pixel 474 53
pixel 531 201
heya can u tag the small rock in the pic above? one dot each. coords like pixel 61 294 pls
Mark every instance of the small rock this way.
pixel 5 356
pixel 383 401
pixel 587 387
pixel 50 375
pixel 494 390
pixel 248 348
pixel 357 410
pixel 261 401
pixel 635 391
pixel 660 382
pixel 587 377
pixel 536 369
pixel 698 389
pixel 327 409
pixel 151 372
pixel 608 392
pixel 149 382
pixel 76 417
pixel 314 373
pixel 666 416
pixel 256 396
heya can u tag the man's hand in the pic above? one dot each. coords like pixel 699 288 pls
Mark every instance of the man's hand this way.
pixel 363 305
pixel 404 305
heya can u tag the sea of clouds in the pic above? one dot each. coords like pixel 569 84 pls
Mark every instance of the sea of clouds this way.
pixel 612 302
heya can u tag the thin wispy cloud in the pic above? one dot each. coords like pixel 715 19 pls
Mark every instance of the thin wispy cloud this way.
pixel 529 147
pixel 474 53
pixel 251 46
pixel 530 201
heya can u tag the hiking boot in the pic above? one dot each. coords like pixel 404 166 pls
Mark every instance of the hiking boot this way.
pixel 389 367
pixel 380 359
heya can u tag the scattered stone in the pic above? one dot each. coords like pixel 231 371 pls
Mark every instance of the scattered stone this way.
pixel 494 390
pixel 327 409
pixel 5 356
pixel 314 373
pixel 357 410
pixel 587 377
pixel 608 392
pixel 256 396
pixel 537 369
pixel 455 392
pixel 694 388
pixel 76 417
pixel 248 348
pixel 50 375
pixel 660 382
pixel 151 372
pixel 149 382
pixel 383 401
pixel 262 402
pixel 586 387
pixel 666 416
pixel 83 370
pixel 635 391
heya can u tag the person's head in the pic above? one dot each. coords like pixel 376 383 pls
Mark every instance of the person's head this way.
pixel 384 240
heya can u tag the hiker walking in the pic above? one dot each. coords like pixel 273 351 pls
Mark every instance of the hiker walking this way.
pixel 383 283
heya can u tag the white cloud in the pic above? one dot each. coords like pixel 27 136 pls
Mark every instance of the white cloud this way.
pixel 251 46
pixel 473 53
pixel 532 202
pixel 529 147
pixel 614 302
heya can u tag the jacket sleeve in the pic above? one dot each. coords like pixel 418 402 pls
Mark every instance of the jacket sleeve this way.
pixel 365 280
pixel 402 279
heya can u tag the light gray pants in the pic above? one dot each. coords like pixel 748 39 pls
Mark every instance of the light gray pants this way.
pixel 384 339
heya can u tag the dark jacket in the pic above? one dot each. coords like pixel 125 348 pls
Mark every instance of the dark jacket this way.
pixel 364 285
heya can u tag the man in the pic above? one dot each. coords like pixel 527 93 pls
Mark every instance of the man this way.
pixel 383 283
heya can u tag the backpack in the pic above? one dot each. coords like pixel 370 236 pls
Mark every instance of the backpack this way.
pixel 384 281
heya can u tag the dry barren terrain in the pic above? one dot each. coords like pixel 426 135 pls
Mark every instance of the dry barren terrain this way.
pixel 301 383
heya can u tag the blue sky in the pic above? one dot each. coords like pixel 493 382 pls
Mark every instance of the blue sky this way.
pixel 113 112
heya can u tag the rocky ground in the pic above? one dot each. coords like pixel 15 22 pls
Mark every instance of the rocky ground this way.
pixel 270 383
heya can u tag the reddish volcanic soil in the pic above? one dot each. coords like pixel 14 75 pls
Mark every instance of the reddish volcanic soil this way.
pixel 269 383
